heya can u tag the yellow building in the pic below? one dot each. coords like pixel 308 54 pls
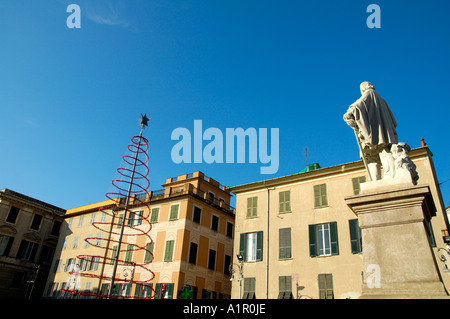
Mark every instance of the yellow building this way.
pixel 192 232
pixel 298 238
pixel 29 230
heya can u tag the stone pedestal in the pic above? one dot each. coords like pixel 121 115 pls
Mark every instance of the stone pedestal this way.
pixel 397 256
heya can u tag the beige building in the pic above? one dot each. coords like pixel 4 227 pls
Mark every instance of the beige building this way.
pixel 29 230
pixel 299 239
pixel 192 228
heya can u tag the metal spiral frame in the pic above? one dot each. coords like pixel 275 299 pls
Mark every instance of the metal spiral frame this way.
pixel 132 189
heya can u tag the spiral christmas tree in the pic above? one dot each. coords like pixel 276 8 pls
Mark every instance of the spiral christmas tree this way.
pixel 129 225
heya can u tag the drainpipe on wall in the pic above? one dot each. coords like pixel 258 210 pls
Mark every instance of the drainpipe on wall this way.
pixel 267 232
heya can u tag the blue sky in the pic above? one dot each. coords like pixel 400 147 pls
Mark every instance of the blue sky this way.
pixel 70 98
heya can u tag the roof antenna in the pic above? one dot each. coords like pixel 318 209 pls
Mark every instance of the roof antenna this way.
pixel 306 155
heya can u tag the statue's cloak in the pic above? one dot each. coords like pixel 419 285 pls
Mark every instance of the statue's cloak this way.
pixel 376 123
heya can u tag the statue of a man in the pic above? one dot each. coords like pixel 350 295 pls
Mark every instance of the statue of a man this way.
pixel 375 128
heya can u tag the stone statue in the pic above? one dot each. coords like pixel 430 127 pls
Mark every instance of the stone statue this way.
pixel 375 129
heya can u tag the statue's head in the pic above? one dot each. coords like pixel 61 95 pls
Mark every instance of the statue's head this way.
pixel 365 86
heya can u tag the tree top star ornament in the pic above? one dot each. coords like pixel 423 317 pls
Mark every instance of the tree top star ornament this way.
pixel 143 121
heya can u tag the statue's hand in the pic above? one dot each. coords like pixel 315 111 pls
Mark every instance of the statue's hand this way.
pixel 350 120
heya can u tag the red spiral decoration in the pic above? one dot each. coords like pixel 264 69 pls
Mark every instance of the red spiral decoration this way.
pixel 132 193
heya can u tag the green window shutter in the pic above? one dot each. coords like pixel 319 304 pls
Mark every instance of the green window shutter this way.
pixel 312 241
pixel 149 252
pixel 158 291
pixel 154 216
pixel 334 238
pixel 324 195
pixel 284 243
pixel 242 245
pixel 174 212
pixel 168 255
pixel 357 184
pixel 284 201
pixel 354 236
pixel 129 253
pixel 320 195
pixel 259 245
pixel 252 207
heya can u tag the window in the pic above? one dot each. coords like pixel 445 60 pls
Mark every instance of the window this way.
pixel 64 243
pixel 215 223
pixel 168 253
pixel 46 255
pixel 356 184
pixel 211 196
pixel 249 288
pixel 212 260
pixel 197 215
pixel 149 252
pixel 193 253
pixel 98 239
pixel 5 245
pixel 230 229
pixel 80 221
pixel 70 221
pixel 36 223
pixel 227 263
pixel 164 291
pixel 56 228
pixel 284 243
pixel 174 211
pixel 320 196
pixel 155 215
pixel 119 221
pixel 285 201
pixel 135 218
pixel 75 242
pixel 92 218
pixel 251 246
pixel 27 250
pixel 355 236
pixel 285 287
pixel 114 254
pixel 129 253
pixel 86 243
pixel 143 290
pixel 252 205
pixel 103 218
pixel 323 240
pixel 12 215
pixel 325 286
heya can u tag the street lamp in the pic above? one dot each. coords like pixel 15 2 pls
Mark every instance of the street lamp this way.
pixel 443 258
pixel 240 268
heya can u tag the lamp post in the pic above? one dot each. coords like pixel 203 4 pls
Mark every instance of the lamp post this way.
pixel 127 271
pixel 443 258
pixel 240 268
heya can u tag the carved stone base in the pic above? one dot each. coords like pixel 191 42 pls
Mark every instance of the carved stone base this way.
pixel 397 257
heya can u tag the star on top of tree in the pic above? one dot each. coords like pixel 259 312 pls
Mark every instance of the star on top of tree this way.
pixel 143 121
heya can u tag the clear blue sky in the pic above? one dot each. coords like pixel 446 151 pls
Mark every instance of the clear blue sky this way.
pixel 70 98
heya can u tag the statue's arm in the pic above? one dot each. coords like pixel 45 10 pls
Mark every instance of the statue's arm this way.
pixel 349 118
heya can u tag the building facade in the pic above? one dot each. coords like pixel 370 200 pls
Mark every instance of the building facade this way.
pixel 192 229
pixel 297 238
pixel 29 230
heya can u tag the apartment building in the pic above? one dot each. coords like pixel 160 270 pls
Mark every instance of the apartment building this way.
pixel 192 231
pixel 29 230
pixel 296 237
